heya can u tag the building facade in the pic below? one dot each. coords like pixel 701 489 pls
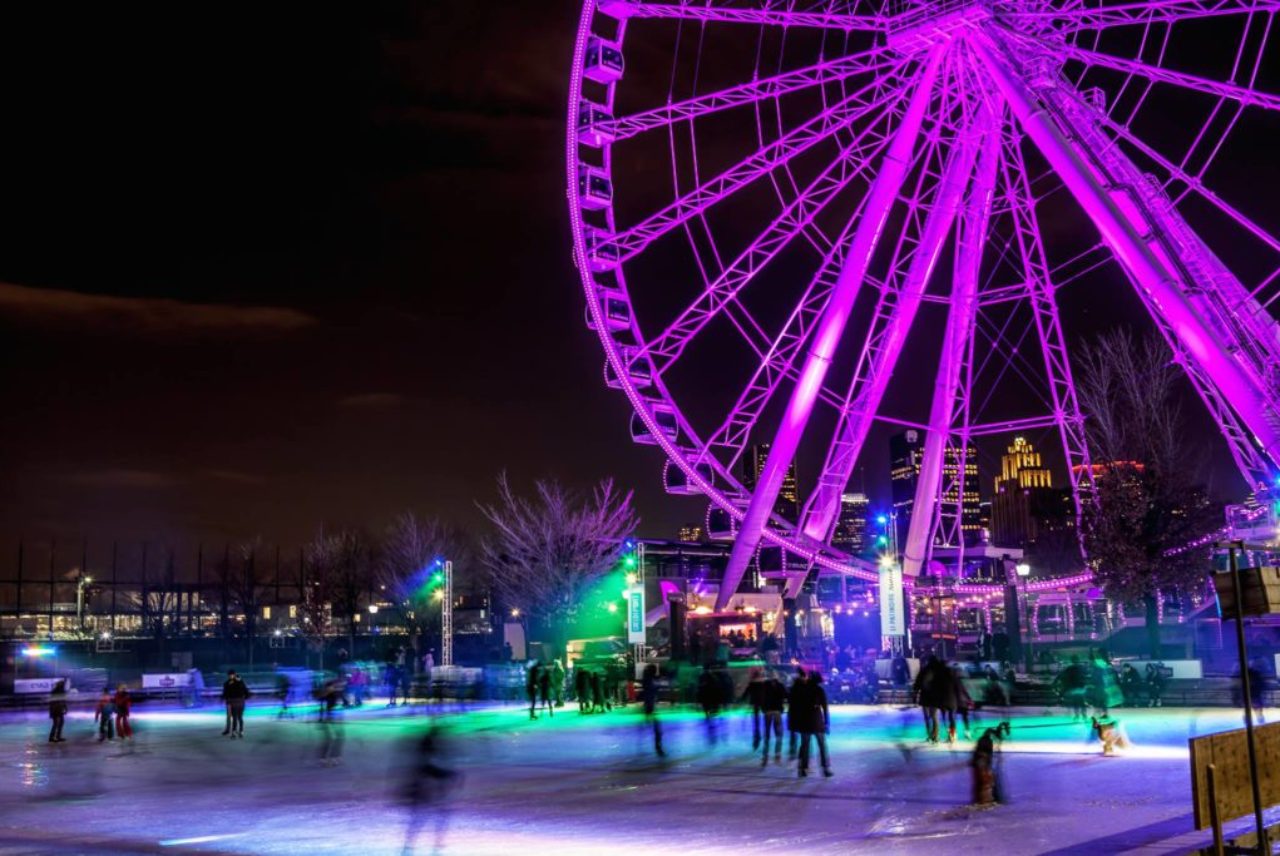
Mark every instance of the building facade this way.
pixel 1025 500
pixel 788 503
pixel 851 528
pixel 961 494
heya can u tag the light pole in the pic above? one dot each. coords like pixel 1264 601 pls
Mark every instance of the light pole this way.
pixel 1024 572
pixel 81 584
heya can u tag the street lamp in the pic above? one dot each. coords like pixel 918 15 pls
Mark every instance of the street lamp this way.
pixel 1023 571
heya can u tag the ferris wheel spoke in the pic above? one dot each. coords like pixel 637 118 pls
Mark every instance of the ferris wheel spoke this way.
pixel 740 13
pixel 1057 365
pixel 1193 182
pixel 865 102
pixel 1230 347
pixel 971 236
pixel 849 165
pixel 778 362
pixel 870 61
pixel 1244 95
pixel 1154 11
pixel 895 314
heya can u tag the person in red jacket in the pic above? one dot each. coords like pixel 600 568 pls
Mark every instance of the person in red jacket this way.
pixel 123 704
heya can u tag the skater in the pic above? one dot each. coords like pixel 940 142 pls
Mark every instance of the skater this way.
pixel 124 705
pixel 544 689
pixel 986 778
pixel 649 698
pixel 331 695
pixel 934 691
pixel 773 698
pixel 754 695
pixel 814 723
pixel 426 784
pixel 1155 684
pixel 1111 735
pixel 282 693
pixel 391 676
pixel 795 697
pixel 964 702
pixel 105 716
pixel 531 688
pixel 57 711
pixel 234 694
pixel 557 683
pixel 1072 685
pixel 582 689
pixel 598 702
pixel 709 701
pixel 1130 685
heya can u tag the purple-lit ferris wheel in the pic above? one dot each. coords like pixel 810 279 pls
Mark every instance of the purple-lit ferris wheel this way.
pixel 802 223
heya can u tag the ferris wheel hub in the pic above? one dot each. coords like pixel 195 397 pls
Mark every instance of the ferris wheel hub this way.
pixel 918 25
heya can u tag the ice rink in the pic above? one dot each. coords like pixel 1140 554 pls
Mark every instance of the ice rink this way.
pixel 577 784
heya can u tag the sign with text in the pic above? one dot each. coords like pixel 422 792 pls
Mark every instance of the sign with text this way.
pixel 635 616
pixel 23 686
pixel 893 619
pixel 166 681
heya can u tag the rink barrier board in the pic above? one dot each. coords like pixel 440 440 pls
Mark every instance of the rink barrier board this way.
pixel 1228 752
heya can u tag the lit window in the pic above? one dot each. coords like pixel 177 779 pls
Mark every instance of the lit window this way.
pixel 293 612
pixel 266 612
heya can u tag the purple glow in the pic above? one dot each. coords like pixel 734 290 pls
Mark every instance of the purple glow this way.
pixel 899 127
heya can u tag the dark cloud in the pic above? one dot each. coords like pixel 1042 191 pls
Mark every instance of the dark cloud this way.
pixel 122 478
pixel 145 315
pixel 372 399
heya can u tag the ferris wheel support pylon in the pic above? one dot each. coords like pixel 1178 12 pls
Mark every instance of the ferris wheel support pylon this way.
pixel 827 335
pixel 882 349
pixel 960 329
pixel 1204 345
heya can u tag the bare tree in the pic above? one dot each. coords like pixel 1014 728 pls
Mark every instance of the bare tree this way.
pixel 342 562
pixel 246 583
pixel 1147 501
pixel 315 601
pixel 546 551
pixel 409 557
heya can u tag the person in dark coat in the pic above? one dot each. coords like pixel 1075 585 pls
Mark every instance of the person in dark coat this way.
pixel 986 773
pixel 649 699
pixel 934 691
pixel 105 715
pixel 531 678
pixel 795 697
pixel 57 711
pixel 427 785
pixel 814 721
pixel 582 689
pixel 234 694
pixel 544 689
pixel 773 699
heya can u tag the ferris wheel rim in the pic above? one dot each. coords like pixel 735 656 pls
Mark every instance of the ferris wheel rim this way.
pixel 730 498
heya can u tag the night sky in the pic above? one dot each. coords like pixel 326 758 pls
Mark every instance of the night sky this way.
pixel 267 268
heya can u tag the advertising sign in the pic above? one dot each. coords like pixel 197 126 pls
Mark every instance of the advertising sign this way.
pixel 635 616
pixel 166 681
pixel 23 686
pixel 893 619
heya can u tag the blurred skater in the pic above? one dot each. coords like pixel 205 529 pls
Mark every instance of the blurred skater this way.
pixel 105 714
pixel 124 706
pixel 773 698
pixel 796 695
pixel 754 695
pixel 57 712
pixel 427 783
pixel 1110 733
pixel 331 734
pixel 987 788
pixel 531 688
pixel 649 698
pixel 544 689
pixel 814 720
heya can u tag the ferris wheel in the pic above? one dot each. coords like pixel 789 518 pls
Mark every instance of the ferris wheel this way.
pixel 800 223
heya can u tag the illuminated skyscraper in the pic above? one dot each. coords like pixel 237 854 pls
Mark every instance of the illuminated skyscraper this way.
pixel 851 527
pixel 906 452
pixel 1024 496
pixel 690 534
pixel 788 504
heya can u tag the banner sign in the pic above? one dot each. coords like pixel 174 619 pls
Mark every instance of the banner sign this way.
pixel 22 686
pixel 166 681
pixel 635 616
pixel 893 619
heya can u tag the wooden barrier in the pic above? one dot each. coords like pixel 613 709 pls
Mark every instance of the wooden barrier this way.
pixel 1228 754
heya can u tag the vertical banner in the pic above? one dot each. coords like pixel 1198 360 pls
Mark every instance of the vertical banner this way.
pixel 893 620
pixel 635 615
